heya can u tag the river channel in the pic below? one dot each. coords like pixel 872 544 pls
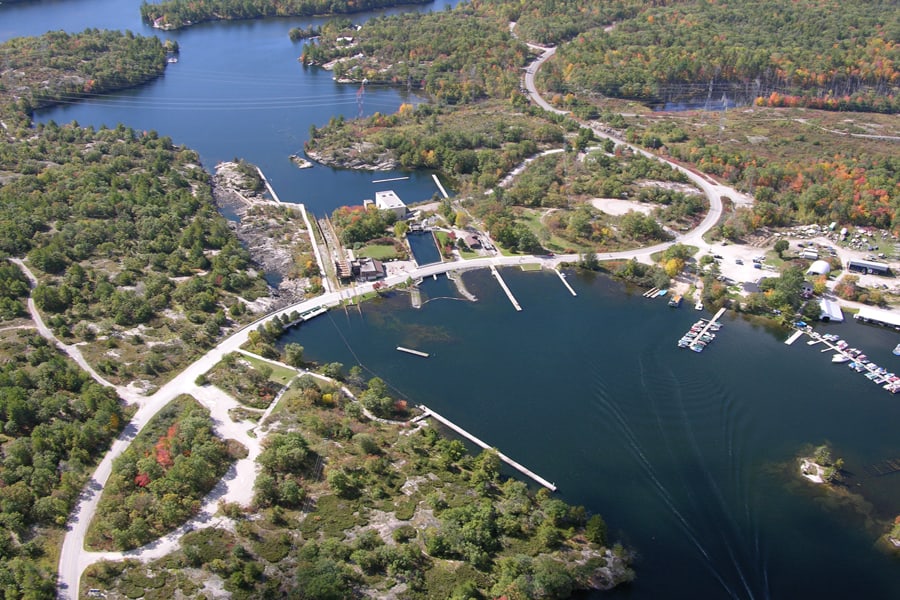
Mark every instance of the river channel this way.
pixel 686 455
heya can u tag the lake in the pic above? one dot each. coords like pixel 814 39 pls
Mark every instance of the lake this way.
pixel 687 456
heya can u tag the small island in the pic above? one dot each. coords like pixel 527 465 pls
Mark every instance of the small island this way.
pixel 892 538
pixel 821 467
pixel 301 162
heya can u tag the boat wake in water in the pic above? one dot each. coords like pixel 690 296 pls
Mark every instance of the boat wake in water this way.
pixel 684 438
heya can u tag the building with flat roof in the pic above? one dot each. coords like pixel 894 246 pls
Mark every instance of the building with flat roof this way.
pixel 389 200
pixel 868 314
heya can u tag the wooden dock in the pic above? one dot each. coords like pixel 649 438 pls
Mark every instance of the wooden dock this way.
pixel 390 179
pixel 411 351
pixel 794 337
pixel 711 322
pixel 502 283
pixel 427 412
pixel 562 277
pixel 885 467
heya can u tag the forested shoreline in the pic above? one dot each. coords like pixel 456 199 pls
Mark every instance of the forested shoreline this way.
pixel 175 14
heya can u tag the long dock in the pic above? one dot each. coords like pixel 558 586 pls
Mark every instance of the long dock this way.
pixel 427 412
pixel 390 179
pixel 440 187
pixel 502 283
pixel 562 277
pixel 411 351
pixel 794 337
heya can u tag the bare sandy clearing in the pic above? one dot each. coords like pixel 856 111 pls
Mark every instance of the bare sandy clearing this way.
pixel 616 207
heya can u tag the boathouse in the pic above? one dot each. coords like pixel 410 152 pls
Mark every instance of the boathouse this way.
pixel 389 200
pixel 831 311
pixel 868 267
pixel 868 314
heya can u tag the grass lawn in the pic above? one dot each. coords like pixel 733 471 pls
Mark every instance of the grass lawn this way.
pixel 532 219
pixel 280 375
pixel 378 252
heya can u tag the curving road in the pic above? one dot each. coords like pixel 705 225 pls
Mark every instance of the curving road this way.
pixel 74 559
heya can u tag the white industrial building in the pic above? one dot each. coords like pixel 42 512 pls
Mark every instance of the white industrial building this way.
pixel 389 200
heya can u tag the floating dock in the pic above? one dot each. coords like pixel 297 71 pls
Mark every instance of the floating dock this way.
pixel 694 339
pixel 307 315
pixel 562 277
pixel 794 337
pixel 427 412
pixel 390 179
pixel 411 351
pixel 651 293
pixel 505 288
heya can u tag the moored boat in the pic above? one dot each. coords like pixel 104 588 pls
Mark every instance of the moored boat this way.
pixel 840 358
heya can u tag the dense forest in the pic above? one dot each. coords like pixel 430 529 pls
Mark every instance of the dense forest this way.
pixel 174 14
pixel 63 67
pixel 159 481
pixel 475 144
pixel 56 423
pixel 822 54
pixel 455 56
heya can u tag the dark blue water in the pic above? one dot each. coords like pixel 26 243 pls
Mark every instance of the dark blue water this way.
pixel 683 453
pixel 236 91
pixel 424 248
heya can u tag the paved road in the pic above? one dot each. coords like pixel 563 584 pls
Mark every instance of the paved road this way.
pixel 712 189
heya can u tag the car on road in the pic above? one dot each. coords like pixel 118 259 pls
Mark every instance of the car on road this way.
pixel 738 261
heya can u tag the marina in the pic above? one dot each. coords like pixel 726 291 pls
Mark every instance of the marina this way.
pixel 701 333
pixel 427 412
pixel 852 357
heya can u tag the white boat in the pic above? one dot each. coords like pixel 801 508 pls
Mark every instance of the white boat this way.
pixel 840 358
pixel 699 305
pixel 896 350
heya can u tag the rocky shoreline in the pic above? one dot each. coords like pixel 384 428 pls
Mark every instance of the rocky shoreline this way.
pixel 360 156
pixel 272 234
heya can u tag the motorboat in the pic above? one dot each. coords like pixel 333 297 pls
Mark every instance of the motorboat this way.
pixel 840 358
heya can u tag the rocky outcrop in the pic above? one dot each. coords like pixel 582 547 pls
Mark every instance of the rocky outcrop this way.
pixel 363 155
pixel 271 233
